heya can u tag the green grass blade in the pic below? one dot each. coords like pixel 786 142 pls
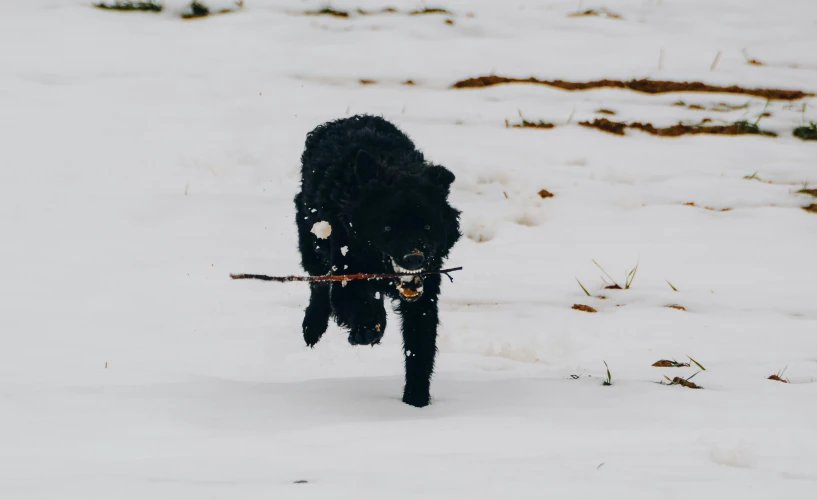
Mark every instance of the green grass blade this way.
pixel 699 365
pixel 583 288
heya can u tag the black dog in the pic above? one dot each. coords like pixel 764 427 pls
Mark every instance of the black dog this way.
pixel 388 212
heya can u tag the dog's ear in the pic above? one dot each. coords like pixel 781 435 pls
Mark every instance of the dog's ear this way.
pixel 440 176
pixel 366 168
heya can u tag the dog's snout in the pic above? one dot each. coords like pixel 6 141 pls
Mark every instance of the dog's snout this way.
pixel 414 259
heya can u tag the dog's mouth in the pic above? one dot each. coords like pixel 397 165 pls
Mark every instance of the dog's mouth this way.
pixel 410 287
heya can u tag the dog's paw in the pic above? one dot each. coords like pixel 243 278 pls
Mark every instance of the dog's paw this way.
pixel 366 336
pixel 313 331
pixel 418 399
pixel 311 339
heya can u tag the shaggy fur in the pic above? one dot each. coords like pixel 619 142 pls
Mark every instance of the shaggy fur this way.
pixel 388 210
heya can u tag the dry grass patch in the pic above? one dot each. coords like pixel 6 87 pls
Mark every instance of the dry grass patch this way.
pixel 583 308
pixel 130 6
pixel 737 128
pixel 602 12
pixel 666 363
pixel 429 10
pixel 327 11
pixel 197 10
pixel 529 124
pixel 806 132
pixel 712 209
pixel 683 382
pixel 643 86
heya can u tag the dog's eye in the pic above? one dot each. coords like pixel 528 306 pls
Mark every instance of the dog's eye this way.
pixel 387 229
pixel 427 227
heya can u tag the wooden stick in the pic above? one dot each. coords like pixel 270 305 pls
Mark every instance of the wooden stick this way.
pixel 340 277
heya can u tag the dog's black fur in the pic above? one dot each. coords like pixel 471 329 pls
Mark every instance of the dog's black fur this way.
pixel 385 204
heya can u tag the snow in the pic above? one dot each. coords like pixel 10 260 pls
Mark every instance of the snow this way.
pixel 146 157
pixel 344 250
pixel 321 229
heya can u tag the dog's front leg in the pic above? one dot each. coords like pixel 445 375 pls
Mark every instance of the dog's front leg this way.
pixel 359 307
pixel 420 342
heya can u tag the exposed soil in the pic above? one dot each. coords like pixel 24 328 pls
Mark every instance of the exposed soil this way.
pixel 408 82
pixel 384 10
pixel 665 363
pixel 721 107
pixel 605 112
pixel 807 132
pixel 527 124
pixel 737 128
pixel 692 204
pixel 677 306
pixel 449 22
pixel 582 307
pixel 684 382
pixel 644 86
pixel 327 11
pixel 544 193
pixel 596 13
pixel 812 192
pixel 811 208
pixel 606 125
pixel 127 5
pixel 364 81
pixel 429 10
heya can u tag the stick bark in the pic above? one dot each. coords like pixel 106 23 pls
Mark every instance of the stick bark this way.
pixel 340 277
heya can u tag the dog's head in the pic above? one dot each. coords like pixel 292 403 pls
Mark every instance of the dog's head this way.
pixel 403 213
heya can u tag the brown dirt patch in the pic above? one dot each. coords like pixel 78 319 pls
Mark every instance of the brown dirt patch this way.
pixel 811 208
pixel 666 363
pixel 720 107
pixel 605 112
pixel 606 125
pixel 596 13
pixel 683 382
pixel 364 81
pixel 384 10
pixel 676 306
pixel 544 193
pixel 812 192
pixel 529 124
pixel 429 10
pixel 449 22
pixel 582 307
pixel 737 128
pixel 692 204
pixel 327 11
pixel 644 86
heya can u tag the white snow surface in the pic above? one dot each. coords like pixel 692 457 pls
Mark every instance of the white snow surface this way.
pixel 145 157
